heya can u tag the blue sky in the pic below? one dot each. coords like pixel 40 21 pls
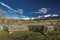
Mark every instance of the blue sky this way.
pixel 29 8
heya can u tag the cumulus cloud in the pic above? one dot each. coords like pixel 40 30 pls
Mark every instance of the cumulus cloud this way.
pixel 7 6
pixel 42 10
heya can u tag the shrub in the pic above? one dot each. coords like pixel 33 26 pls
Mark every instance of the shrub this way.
pixel 20 35
pixel 26 35
pixel 4 35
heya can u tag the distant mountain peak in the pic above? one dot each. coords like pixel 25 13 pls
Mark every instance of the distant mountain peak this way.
pixel 51 15
pixel 47 15
pixel 54 15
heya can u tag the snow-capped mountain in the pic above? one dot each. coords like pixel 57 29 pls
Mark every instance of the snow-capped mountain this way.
pixel 49 16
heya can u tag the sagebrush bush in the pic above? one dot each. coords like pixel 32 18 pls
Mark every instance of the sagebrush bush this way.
pixel 21 35
pixel 28 35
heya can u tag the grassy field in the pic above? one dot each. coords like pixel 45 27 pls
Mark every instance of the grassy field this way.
pixel 45 22
pixel 30 22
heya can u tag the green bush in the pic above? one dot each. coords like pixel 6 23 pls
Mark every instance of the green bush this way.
pixel 26 35
pixel 4 35
pixel 20 35
pixel 52 35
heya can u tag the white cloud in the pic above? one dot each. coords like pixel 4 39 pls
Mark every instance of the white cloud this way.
pixel 12 17
pixel 25 18
pixel 15 18
pixel 47 15
pixel 7 6
pixel 33 18
pixel 42 10
pixel 20 11
pixel 15 11
pixel 22 17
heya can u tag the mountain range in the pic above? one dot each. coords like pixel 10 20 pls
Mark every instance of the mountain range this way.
pixel 48 17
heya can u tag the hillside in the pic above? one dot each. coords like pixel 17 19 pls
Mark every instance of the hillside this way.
pixel 38 21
